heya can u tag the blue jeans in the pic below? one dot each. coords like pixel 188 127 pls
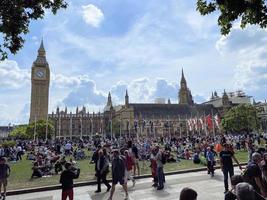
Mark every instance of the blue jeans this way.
pixel 227 170
pixel 160 175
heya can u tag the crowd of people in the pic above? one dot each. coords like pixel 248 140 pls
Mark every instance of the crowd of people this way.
pixel 121 158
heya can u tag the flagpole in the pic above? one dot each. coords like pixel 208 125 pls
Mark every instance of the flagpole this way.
pixel 213 128
pixel 81 136
pixel 120 125
pixel 92 128
pixel 34 132
pixel 205 124
pixel 180 129
pixel 111 129
pixel 186 125
pixel 46 128
pixel 154 127
pixel 197 124
pixel 59 125
pixel 70 126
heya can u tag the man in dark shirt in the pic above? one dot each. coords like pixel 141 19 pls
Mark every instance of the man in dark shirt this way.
pixel 66 179
pixel 254 175
pixel 102 170
pixel 118 173
pixel 4 174
pixel 226 156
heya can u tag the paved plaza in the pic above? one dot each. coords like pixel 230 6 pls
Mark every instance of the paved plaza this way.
pixel 208 189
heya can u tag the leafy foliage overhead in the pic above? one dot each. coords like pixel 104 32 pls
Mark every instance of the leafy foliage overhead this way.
pixel 252 12
pixel 15 17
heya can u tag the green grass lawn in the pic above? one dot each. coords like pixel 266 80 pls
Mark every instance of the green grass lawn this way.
pixel 21 172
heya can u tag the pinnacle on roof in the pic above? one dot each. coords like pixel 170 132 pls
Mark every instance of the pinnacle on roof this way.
pixel 126 93
pixel 41 50
pixel 183 78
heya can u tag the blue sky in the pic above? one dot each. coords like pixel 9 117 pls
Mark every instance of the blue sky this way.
pixel 98 46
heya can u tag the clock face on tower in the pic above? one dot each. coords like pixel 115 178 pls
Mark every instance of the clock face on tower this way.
pixel 39 73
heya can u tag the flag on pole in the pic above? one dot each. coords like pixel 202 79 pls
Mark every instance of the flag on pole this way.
pixel 209 122
pixel 189 124
pixel 217 120
pixel 201 123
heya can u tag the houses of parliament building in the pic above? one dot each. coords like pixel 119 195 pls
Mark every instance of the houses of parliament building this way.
pixel 129 119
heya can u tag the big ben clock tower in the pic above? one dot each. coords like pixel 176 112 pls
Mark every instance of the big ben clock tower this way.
pixel 40 78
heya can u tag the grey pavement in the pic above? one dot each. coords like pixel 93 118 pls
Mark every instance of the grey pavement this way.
pixel 207 188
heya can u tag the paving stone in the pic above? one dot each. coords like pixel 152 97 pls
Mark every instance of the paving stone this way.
pixel 207 188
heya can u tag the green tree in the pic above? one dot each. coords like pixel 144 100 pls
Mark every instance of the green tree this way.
pixel 15 18
pixel 252 12
pixel 27 131
pixel 242 118
pixel 40 129
pixel 19 132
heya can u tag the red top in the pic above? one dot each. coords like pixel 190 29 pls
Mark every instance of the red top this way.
pixel 129 163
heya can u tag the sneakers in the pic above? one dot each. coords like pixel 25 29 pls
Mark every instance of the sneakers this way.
pixel 155 185
pixel 97 191
pixel 108 188
pixel 134 182
pixel 160 188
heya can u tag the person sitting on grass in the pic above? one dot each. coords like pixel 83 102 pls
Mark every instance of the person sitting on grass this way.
pixel 66 180
pixel 36 171
pixel 4 174
pixel 31 156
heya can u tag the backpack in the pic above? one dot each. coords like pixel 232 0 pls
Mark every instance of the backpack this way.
pixel 163 158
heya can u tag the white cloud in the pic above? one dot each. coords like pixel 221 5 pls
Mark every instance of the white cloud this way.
pixel 86 93
pixel 144 90
pixel 64 81
pixel 92 15
pixel 12 76
pixel 248 48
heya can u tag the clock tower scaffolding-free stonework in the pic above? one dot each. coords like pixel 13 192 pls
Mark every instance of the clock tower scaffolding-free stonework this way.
pixel 40 79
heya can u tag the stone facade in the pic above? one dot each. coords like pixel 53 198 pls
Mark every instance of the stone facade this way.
pixel 159 118
pixel 81 124
pixel 228 100
pixel 40 79
pixel 128 119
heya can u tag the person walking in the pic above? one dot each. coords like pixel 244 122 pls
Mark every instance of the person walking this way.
pixel 118 174
pixel 210 157
pixel 4 174
pixel 102 166
pixel 226 162
pixel 160 172
pixel 129 167
pixel 66 180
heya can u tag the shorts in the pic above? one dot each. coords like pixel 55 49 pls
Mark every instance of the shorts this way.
pixel 3 181
pixel 117 180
